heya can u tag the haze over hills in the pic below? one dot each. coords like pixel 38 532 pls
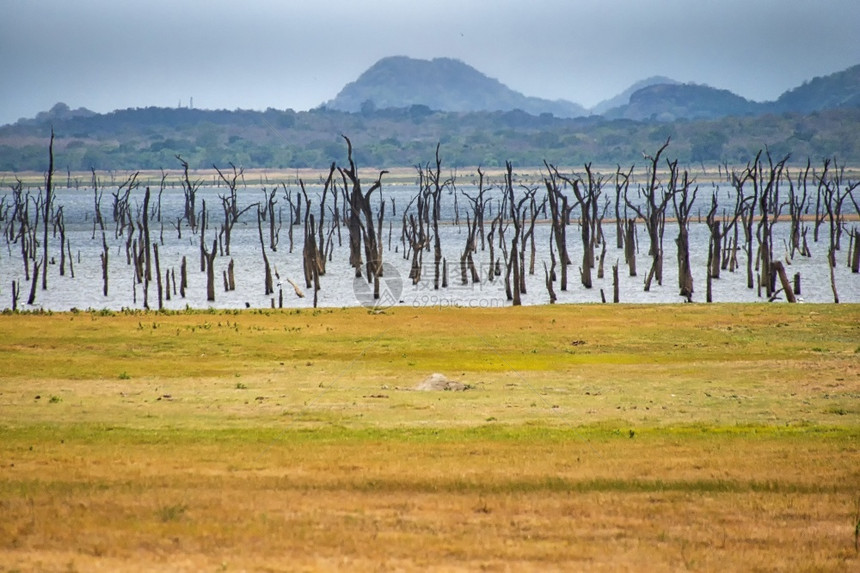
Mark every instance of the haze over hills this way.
pixel 623 98
pixel 834 91
pixel 445 84
pixel 670 102
pixel 393 127
pixel 442 84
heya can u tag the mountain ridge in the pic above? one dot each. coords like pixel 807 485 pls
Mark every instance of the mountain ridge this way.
pixel 443 84
pixel 446 84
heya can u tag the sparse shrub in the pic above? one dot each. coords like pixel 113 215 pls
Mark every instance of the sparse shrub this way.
pixel 171 512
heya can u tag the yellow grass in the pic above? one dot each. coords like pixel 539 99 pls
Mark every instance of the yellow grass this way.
pixel 656 438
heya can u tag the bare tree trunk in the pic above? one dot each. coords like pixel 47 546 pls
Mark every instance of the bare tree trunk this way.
pixel 147 274
pixel 548 281
pixel 183 277
pixel 158 276
pixel 779 270
pixel 61 226
pixel 32 298
pixel 48 199
pixel 855 259
pixel 210 270
pixel 615 286
pixel 104 259
pixel 268 270
pixel 630 246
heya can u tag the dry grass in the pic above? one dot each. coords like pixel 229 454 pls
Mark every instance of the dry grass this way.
pixel 694 437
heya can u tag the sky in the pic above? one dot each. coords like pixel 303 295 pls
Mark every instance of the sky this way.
pixel 256 54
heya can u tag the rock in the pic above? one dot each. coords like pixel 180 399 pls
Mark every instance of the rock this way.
pixel 438 381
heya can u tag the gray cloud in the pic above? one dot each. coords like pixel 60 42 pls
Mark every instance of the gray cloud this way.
pixel 255 54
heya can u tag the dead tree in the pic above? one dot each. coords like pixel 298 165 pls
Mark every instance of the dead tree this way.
pixel 854 255
pixel 210 269
pixel 16 294
pixel 146 246
pixel 474 229
pixel 415 235
pixel 288 195
pixel 230 205
pixel 478 208
pixel 321 243
pixel 432 178
pixel 622 184
pixel 558 206
pixel 630 246
pixel 654 216
pixel 529 235
pixel 60 225
pixel 797 206
pixel 352 204
pixel 189 188
pixel 269 288
pixel 36 266
pixel 311 257
pixel 360 204
pixel 32 246
pixel 833 199
pixel 49 185
pixel 769 211
pixel 183 277
pixel 121 205
pixel 729 233
pixel 682 215
pixel 513 276
pixel 548 280
pixel 268 214
pixel 713 246
pixel 158 278
pixel 746 205
pixel 587 194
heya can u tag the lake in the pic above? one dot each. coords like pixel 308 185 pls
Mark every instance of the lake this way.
pixel 338 288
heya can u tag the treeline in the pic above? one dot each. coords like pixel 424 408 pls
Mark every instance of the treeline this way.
pixel 151 138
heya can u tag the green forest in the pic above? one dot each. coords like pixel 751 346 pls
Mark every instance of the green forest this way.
pixel 151 138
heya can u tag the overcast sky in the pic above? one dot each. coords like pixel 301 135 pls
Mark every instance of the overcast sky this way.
pixel 254 54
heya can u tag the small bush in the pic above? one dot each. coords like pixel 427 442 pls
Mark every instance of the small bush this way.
pixel 171 512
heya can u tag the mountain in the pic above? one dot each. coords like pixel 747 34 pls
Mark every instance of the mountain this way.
pixel 624 97
pixel 670 102
pixel 442 84
pixel 715 126
pixel 841 89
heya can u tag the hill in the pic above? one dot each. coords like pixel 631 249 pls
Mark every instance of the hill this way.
pixel 705 124
pixel 623 98
pixel 442 84
pixel 671 102
pixel 838 90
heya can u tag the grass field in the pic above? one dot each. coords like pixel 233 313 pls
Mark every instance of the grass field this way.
pixel 659 438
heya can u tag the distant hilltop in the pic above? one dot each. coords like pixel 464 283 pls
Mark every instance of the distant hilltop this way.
pixel 442 84
pixel 445 84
